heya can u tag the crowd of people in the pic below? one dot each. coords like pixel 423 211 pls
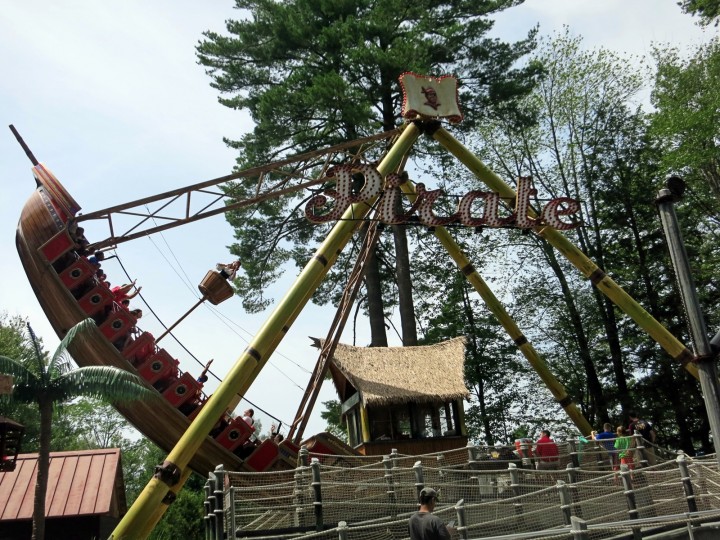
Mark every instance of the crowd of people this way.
pixel 618 443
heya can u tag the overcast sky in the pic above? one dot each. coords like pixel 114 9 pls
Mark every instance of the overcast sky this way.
pixel 110 98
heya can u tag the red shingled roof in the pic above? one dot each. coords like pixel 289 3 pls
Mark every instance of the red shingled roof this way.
pixel 81 483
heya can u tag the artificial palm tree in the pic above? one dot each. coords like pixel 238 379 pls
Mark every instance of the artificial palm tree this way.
pixel 50 383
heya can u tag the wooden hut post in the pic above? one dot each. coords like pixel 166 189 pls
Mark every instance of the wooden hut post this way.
pixel 460 428
pixel 364 423
pixel 686 482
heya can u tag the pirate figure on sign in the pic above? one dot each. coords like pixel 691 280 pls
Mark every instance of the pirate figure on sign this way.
pixel 430 97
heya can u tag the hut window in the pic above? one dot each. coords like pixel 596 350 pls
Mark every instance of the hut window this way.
pixel 445 418
pixel 353 426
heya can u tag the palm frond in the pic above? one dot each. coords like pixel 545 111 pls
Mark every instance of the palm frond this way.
pixel 60 362
pixel 39 356
pixel 21 374
pixel 104 382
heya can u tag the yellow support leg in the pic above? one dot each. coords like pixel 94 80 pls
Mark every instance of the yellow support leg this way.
pixel 142 515
pixel 588 268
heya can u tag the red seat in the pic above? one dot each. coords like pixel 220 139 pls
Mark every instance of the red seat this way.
pixel 235 434
pixel 263 457
pixel 160 367
pixel 118 324
pixel 96 299
pixel 139 349
pixel 77 273
pixel 182 391
pixel 57 246
pixel 288 452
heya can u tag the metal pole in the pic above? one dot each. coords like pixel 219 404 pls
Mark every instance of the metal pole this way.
pixel 704 356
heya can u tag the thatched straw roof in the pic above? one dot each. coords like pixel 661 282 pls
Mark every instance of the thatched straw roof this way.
pixel 390 375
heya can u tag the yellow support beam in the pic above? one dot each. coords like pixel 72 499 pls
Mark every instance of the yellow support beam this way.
pixel 588 268
pixel 142 515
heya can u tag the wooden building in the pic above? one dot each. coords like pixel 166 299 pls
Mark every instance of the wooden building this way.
pixel 407 398
pixel 85 497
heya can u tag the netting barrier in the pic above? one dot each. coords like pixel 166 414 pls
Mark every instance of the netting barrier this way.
pixel 372 497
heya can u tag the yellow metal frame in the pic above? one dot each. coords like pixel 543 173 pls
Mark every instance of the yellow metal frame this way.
pixel 147 510
pixel 142 515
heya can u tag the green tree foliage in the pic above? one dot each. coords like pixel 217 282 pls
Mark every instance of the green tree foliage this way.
pixel 312 73
pixel 49 381
pixel 707 10
pixel 592 145
pixel 687 120
pixel 332 415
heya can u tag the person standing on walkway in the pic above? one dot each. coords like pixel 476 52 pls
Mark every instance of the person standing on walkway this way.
pixel 547 452
pixel 423 524
pixel 607 440
pixel 645 429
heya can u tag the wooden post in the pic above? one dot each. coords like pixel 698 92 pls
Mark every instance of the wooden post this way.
pixel 640 449
pixel 578 528
pixel 686 482
pixel 626 476
pixel 342 530
pixel 317 492
pixel 461 527
pixel 572 473
pixel 419 479
pixel 390 482
pixel 219 502
pixel 565 501
pixel 574 457
pixel 515 486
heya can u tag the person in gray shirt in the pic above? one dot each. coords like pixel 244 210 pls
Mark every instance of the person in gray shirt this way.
pixel 423 524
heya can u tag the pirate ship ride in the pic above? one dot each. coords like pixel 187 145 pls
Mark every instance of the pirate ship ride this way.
pixel 195 428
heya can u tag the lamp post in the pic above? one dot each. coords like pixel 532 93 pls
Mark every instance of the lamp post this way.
pixel 704 356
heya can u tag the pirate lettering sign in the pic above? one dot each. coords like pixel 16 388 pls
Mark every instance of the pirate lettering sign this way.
pixel 363 183
pixel 430 97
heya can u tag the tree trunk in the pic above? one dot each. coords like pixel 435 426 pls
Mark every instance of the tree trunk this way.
pixel 404 283
pixel 376 310
pixel 43 466
pixel 598 406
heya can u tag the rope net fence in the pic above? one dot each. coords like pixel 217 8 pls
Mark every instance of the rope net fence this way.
pixel 481 496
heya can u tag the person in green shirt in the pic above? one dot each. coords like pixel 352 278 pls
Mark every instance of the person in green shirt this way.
pixel 623 443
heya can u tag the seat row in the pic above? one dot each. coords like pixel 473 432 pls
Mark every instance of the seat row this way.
pixel 152 363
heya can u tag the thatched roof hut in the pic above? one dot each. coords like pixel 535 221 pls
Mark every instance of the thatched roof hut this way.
pixel 391 375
